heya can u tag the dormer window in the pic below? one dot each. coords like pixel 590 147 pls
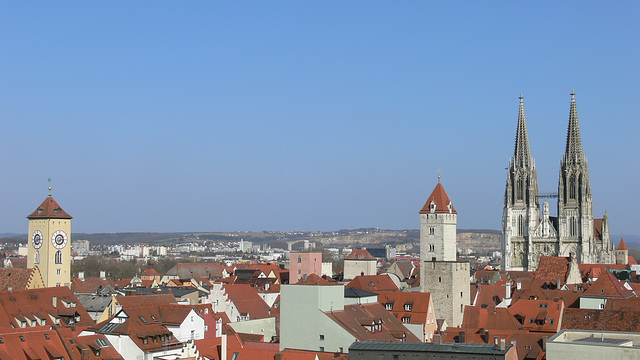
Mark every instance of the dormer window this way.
pixel 408 306
pixel 388 306
pixel 432 207
pixel 449 207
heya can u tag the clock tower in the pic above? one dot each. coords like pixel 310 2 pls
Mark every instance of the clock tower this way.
pixel 50 243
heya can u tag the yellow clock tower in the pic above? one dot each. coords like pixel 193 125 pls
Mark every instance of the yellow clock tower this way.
pixel 50 243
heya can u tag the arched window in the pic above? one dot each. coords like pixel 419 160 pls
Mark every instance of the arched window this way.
pixel 299 259
pixel 36 259
pixel 58 259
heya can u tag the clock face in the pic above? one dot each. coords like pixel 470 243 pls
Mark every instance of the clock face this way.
pixel 59 239
pixel 37 239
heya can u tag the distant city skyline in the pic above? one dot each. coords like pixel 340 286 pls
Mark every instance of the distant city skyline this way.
pixel 308 116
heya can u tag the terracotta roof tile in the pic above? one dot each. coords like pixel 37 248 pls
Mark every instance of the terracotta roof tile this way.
pixel 16 278
pixel 476 317
pixel 373 283
pixel 607 320
pixel 552 268
pixel 442 201
pixel 353 316
pixel 359 254
pixel 49 209
pixel 538 315
pixel 608 286
pixel 622 245
pixel 40 304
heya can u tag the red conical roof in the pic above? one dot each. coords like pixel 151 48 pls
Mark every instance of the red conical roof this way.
pixel 49 209
pixel 622 245
pixel 441 199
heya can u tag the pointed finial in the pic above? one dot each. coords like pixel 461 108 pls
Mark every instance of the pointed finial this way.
pixel 573 95
pixel 521 97
pixel 438 175
pixel 49 187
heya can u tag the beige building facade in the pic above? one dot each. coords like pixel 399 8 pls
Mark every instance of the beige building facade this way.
pixel 50 243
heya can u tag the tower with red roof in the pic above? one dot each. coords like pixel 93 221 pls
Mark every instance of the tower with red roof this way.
pixel 622 253
pixel 49 246
pixel 440 273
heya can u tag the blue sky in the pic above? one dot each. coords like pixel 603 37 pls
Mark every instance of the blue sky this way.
pixel 223 116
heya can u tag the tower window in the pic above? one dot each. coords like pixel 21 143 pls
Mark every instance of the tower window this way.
pixel 36 259
pixel 572 187
pixel 58 259
pixel 432 231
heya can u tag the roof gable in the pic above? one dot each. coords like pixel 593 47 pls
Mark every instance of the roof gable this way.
pixel 441 201
pixel 49 209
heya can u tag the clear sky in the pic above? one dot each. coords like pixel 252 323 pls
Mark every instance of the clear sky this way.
pixel 271 115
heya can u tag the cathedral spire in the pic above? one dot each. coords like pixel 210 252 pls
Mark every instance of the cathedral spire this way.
pixel 573 153
pixel 522 152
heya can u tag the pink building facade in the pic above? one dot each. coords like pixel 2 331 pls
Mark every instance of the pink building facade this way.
pixel 304 264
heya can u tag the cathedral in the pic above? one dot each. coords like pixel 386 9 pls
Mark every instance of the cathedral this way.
pixel 528 233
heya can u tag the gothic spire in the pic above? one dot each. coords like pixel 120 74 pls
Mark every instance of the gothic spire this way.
pixel 573 152
pixel 522 152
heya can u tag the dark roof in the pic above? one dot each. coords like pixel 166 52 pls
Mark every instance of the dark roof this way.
pixel 465 348
pixel 49 209
pixel 357 293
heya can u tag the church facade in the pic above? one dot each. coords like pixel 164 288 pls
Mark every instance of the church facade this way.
pixel 528 230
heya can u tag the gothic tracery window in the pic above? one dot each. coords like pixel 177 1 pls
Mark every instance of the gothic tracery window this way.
pixel 58 259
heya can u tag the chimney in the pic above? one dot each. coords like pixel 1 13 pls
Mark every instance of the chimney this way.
pixel 54 301
pixel 223 347
pixel 462 337
pixel 103 274
pixel 81 275
pixel 437 339
pixel 558 284
pixel 508 290
pixel 85 354
pixel 486 336
pixel 502 344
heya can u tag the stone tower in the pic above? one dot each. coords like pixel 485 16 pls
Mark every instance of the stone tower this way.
pixel 622 253
pixel 525 235
pixel 440 274
pixel 575 204
pixel 521 204
pixel 50 243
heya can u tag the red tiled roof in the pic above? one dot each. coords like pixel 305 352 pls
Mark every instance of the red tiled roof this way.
pixel 552 268
pixel 571 298
pixel 491 295
pixel 49 209
pixel 419 302
pixel 606 320
pixel 90 284
pixel 16 278
pixel 141 300
pixel 373 283
pixel 359 254
pixel 539 315
pixel 39 303
pixel 608 286
pixel 622 245
pixel 355 317
pixel 313 279
pixel 476 317
pixel 597 229
pixel 441 199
